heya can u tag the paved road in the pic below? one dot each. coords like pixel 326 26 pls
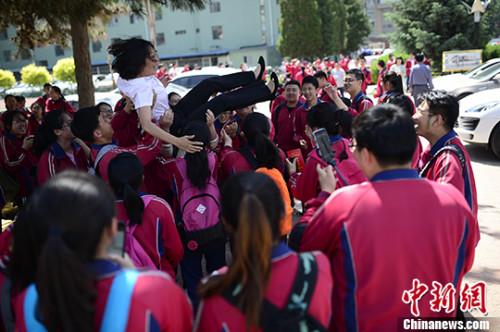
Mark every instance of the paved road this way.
pixel 487 261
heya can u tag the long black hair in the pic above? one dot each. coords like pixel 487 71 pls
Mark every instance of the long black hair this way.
pixel 125 173
pixel 256 128
pixel 252 209
pixel 198 169
pixel 130 56
pixel 53 245
pixel 58 90
pixel 45 136
pixel 395 81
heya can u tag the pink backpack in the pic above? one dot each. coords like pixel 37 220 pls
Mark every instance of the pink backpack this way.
pixel 199 215
pixel 133 248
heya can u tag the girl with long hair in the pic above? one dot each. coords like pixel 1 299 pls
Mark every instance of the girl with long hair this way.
pixel 149 216
pixel 197 208
pixel 68 281
pixel 253 293
pixel 54 143
pixel 56 101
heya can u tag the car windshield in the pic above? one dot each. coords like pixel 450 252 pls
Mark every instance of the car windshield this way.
pixel 488 72
pixel 190 82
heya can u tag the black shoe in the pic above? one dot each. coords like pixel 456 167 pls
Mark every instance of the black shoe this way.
pixel 262 64
pixel 276 82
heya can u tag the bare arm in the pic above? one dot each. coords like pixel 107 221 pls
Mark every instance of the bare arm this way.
pixel 183 143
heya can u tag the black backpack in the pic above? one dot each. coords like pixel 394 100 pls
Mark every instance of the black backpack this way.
pixel 293 317
pixel 452 148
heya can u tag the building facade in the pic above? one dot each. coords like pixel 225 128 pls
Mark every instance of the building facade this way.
pixel 226 31
pixel 381 26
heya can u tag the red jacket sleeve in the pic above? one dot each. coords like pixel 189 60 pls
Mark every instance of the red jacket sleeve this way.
pixel 45 167
pixel 125 128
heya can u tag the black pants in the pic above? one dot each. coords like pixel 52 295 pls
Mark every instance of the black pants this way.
pixel 193 106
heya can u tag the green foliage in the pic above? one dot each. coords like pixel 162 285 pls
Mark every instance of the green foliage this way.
pixel 385 57
pixel 64 70
pixel 321 27
pixel 35 75
pixel 491 52
pixel 7 79
pixel 434 26
pixel 300 28
pixel 358 25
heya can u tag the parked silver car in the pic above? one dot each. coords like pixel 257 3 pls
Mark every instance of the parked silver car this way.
pixel 484 77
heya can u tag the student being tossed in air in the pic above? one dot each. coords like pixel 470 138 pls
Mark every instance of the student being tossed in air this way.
pixel 152 240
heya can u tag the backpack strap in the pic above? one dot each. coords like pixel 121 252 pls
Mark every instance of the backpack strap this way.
pixel 105 149
pixel 29 308
pixel 7 315
pixel 452 148
pixel 116 314
pixel 297 304
pixel 299 298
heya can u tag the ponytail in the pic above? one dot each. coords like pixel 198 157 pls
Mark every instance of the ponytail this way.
pixel 133 204
pixel 198 168
pixel 251 266
pixel 125 173
pixel 266 152
pixel 68 308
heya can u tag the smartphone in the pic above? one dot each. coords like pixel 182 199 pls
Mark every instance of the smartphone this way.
pixel 117 246
pixel 324 146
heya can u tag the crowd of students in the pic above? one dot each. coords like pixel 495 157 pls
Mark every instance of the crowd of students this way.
pixel 200 193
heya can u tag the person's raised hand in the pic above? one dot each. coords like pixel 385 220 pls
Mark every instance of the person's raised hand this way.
pixel 326 178
pixel 28 142
pixel 167 119
pixel 227 140
pixel 210 117
pixel 291 165
pixel 185 143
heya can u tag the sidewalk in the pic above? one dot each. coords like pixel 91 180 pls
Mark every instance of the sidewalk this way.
pixel 487 261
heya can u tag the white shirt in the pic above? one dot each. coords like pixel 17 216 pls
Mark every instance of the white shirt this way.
pixel 142 91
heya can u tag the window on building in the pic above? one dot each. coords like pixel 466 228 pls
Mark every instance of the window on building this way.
pixel 180 32
pixel 217 32
pixel 158 14
pixel 114 40
pixel 197 30
pixel 59 50
pixel 3 34
pixel 132 18
pixel 113 22
pixel 25 54
pixel 214 6
pixel 96 46
pixel 160 38
pixel 7 56
pixel 43 63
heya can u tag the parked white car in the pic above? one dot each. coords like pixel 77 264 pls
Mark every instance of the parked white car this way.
pixel 66 87
pixel 479 120
pixel 110 97
pixel 483 77
pixel 23 89
pixel 104 82
pixel 184 82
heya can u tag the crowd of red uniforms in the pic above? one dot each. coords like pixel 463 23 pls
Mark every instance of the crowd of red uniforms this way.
pixel 160 177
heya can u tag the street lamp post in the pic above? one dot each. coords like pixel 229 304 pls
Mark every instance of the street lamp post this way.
pixel 477 9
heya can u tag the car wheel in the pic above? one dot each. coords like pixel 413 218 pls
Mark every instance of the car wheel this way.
pixel 495 141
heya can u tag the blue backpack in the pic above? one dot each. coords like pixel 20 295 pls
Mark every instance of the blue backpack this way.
pixel 115 316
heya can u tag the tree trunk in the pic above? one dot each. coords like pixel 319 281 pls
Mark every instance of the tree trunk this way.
pixel 151 22
pixel 83 69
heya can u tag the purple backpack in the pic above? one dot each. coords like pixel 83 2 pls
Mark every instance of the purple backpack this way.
pixel 133 248
pixel 199 215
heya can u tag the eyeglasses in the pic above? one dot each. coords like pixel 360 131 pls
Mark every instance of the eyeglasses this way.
pixel 349 80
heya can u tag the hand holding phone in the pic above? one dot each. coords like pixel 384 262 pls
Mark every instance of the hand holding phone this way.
pixel 324 146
